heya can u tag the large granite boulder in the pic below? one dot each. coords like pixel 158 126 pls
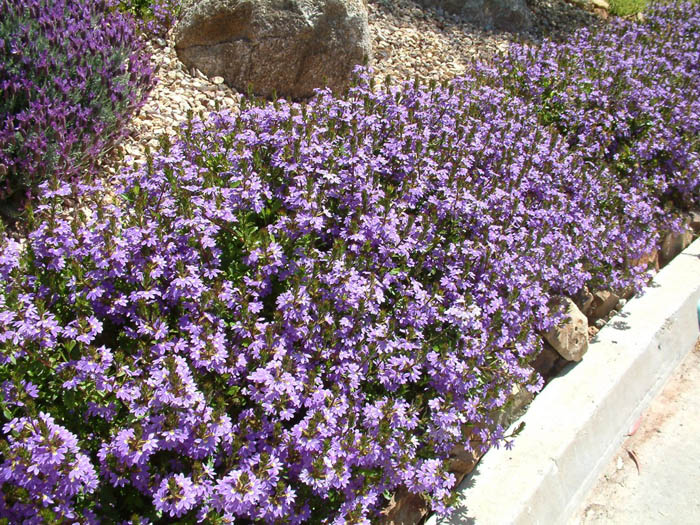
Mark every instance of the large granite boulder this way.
pixel 289 47
pixel 503 15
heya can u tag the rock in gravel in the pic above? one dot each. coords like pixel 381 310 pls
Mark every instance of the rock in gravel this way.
pixel 570 338
pixel 504 15
pixel 288 47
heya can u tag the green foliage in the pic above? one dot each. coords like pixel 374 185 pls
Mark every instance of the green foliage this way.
pixel 627 7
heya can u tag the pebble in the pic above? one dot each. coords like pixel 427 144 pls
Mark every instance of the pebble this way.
pixel 409 41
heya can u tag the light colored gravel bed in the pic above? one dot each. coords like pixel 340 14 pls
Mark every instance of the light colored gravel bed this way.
pixel 408 41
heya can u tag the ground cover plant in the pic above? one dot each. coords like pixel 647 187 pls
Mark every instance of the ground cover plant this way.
pixel 71 74
pixel 628 100
pixel 156 16
pixel 290 312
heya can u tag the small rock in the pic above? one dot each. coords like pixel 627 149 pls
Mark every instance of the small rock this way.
pixel 462 462
pixel 672 245
pixel 600 323
pixel 404 508
pixel 649 260
pixel 570 339
pixel 694 220
pixel 515 406
pixel 604 301
pixel 217 80
pixel 545 361
pixel 584 300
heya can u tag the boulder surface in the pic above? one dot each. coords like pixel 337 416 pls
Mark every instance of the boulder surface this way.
pixel 289 47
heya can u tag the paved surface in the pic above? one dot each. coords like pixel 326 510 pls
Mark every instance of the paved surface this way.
pixel 654 478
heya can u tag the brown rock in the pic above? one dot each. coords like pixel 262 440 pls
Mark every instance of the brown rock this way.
pixel 648 261
pixel 462 462
pixel 570 339
pixel 404 508
pixel 289 47
pixel 584 301
pixel 694 221
pixel 672 245
pixel 546 361
pixel 604 302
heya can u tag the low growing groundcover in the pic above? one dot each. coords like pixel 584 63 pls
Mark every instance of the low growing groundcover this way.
pixel 288 313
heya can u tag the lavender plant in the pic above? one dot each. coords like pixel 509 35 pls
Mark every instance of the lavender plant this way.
pixel 71 74
pixel 292 311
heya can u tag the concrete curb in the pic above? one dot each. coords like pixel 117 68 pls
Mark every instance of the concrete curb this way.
pixel 575 425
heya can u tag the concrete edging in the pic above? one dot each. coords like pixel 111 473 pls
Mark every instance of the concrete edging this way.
pixel 575 425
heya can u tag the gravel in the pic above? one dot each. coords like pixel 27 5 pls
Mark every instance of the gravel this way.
pixel 409 41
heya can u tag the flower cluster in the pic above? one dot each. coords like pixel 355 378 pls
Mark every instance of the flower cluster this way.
pixel 44 471
pixel 292 310
pixel 71 74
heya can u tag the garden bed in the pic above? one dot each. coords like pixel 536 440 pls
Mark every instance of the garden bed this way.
pixel 291 311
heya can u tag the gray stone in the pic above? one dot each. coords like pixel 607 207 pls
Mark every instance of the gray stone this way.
pixel 288 47
pixel 570 339
pixel 518 401
pixel 504 15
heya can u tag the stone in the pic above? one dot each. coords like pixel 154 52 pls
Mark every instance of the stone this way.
pixel 287 47
pixel 604 302
pixel 570 338
pixel 405 508
pixel 546 361
pixel 602 4
pixel 649 260
pixel 694 221
pixel 673 244
pixel 519 399
pixel 504 15
pixel 462 462
pixel 584 301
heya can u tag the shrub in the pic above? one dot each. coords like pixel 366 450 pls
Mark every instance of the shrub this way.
pixel 156 16
pixel 71 73
pixel 291 310
pixel 627 7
